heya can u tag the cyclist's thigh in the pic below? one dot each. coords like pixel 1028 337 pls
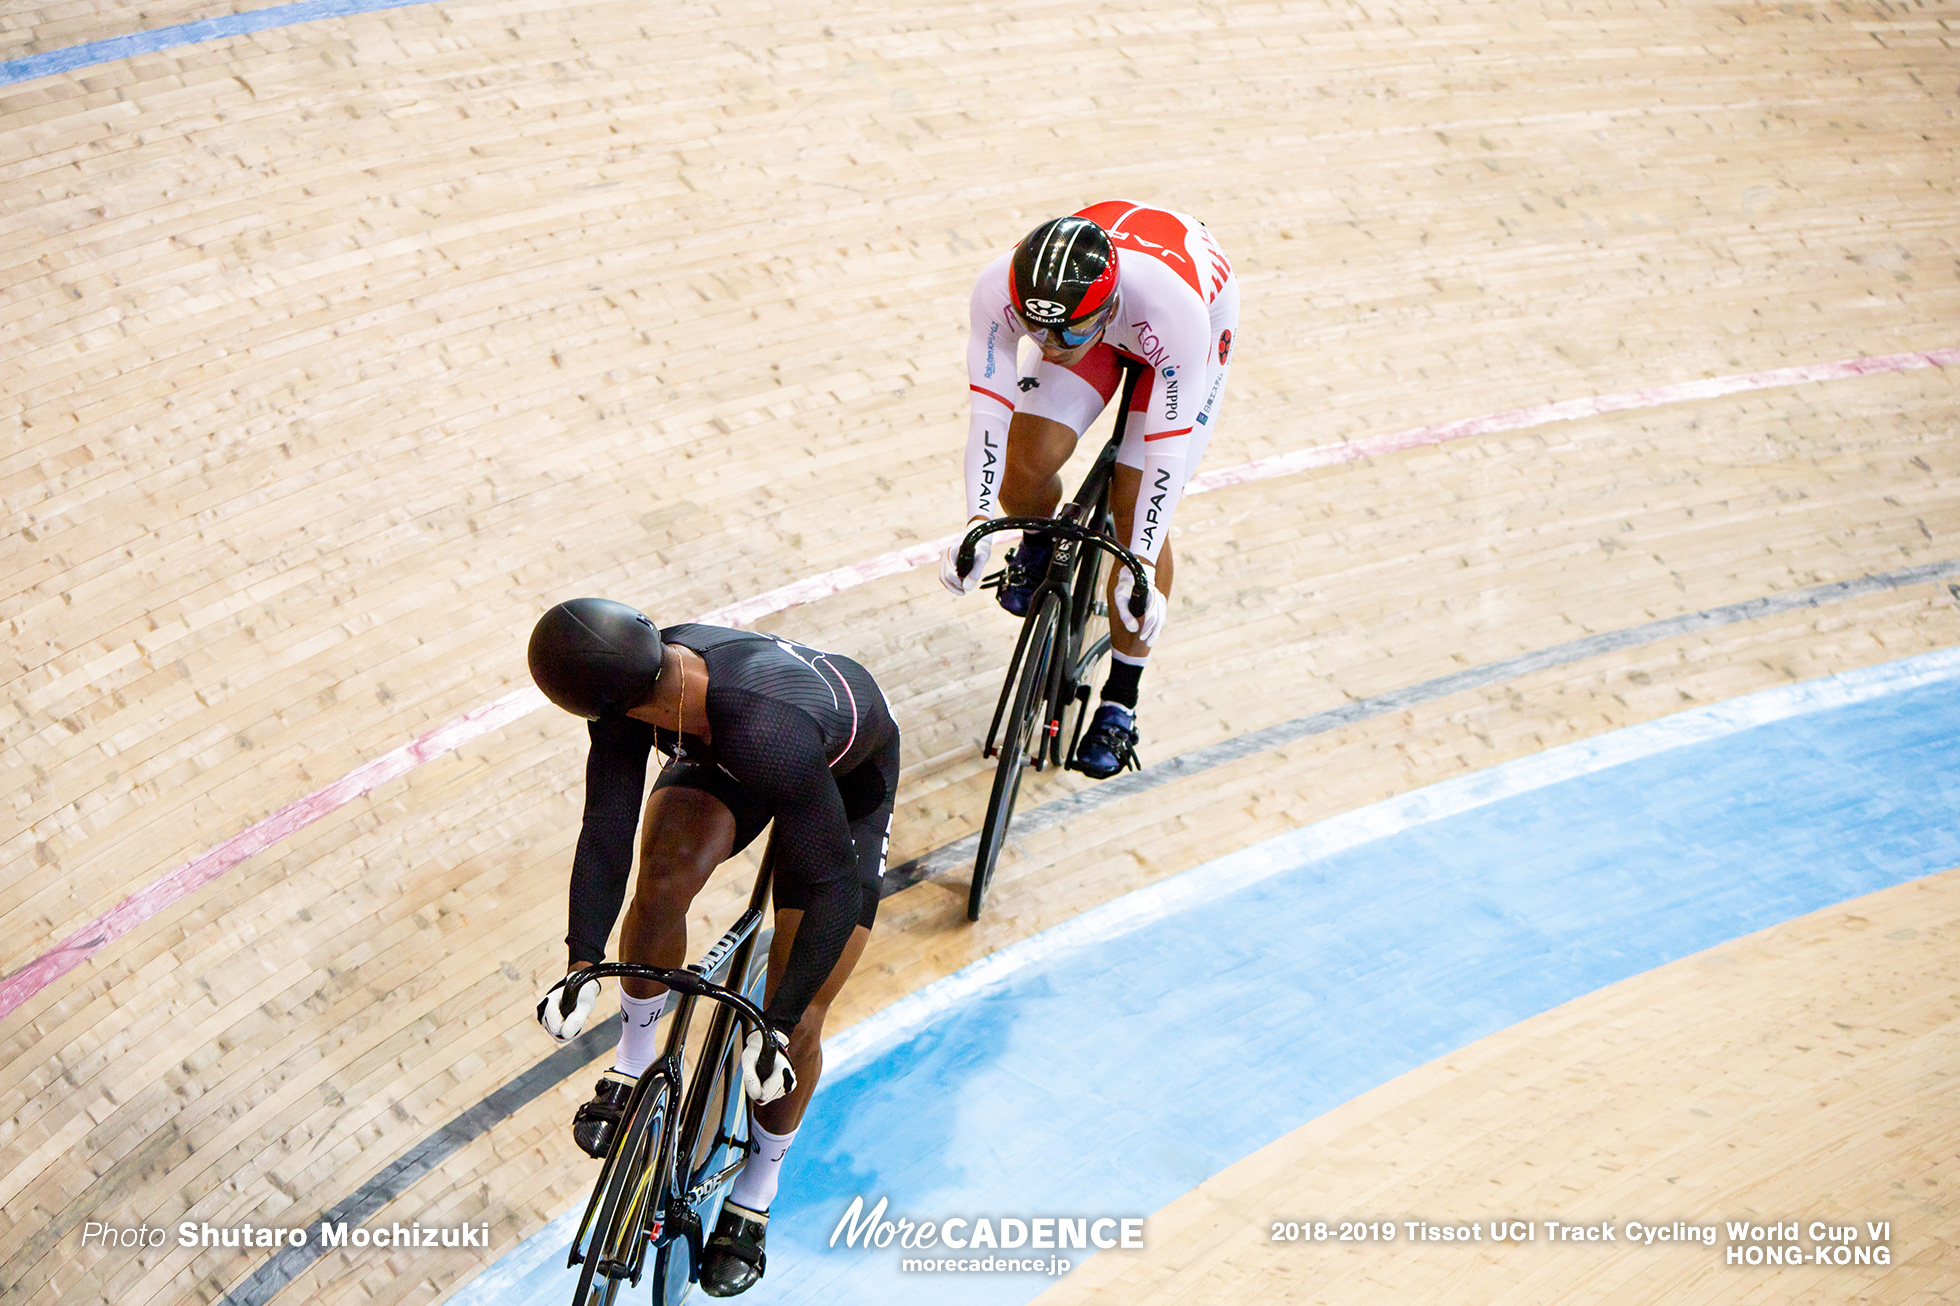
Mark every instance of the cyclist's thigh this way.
pixel 687 834
pixel 747 814
pixel 872 831
pixel 870 792
pixel 1037 447
pixel 872 836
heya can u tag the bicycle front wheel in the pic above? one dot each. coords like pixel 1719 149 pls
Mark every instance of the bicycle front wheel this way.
pixel 1020 737
pixel 1072 710
pixel 719 1144
pixel 633 1194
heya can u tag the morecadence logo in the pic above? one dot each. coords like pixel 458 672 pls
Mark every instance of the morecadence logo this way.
pixel 981 1238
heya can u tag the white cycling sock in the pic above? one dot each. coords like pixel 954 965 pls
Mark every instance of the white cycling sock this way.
pixel 755 1187
pixel 639 1041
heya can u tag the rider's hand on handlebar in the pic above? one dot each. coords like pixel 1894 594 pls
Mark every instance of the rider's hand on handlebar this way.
pixel 949 565
pixel 562 1024
pixel 1154 612
pixel 780 1080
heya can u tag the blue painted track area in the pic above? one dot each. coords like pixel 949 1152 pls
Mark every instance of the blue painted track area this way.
pixel 178 35
pixel 1107 1077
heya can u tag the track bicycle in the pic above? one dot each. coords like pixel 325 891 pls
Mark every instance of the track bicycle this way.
pixel 1055 659
pixel 662 1185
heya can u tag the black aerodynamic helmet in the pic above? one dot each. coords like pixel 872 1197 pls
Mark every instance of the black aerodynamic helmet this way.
pixel 1063 281
pixel 594 656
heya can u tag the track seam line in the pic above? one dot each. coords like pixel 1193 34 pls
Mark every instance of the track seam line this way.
pixel 193 875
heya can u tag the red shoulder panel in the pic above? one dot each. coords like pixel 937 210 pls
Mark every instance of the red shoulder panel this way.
pixel 1147 231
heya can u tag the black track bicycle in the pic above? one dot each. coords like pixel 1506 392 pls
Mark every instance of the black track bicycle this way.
pixel 1055 659
pixel 684 1133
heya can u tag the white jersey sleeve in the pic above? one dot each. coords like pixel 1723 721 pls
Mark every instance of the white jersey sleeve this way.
pixel 991 376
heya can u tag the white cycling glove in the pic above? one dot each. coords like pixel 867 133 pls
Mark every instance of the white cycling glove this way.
pixel 1154 611
pixel 781 1081
pixel 561 1024
pixel 949 567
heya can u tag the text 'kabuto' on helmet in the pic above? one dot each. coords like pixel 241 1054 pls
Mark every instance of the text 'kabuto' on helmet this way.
pixel 1063 281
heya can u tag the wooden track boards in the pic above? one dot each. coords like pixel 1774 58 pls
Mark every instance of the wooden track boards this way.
pixel 339 351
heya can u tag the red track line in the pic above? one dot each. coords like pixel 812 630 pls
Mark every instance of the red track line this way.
pixel 193 875
pixel 1517 419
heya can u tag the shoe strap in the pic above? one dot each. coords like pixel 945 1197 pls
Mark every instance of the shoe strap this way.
pixel 730 1244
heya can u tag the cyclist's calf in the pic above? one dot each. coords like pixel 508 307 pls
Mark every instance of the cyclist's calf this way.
pixel 805 1041
pixel 1124 484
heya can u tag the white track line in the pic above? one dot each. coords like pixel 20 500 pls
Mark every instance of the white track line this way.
pixel 1447 798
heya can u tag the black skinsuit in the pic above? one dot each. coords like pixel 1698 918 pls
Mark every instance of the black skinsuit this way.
pixel 800 736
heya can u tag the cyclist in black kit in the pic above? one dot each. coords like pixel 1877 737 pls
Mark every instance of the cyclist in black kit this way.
pixel 756 728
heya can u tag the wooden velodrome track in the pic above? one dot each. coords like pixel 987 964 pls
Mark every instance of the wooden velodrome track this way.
pixel 333 354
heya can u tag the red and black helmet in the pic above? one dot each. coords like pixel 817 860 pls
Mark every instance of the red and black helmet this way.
pixel 1063 281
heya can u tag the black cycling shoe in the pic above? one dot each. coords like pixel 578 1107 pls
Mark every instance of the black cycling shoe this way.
pixel 1027 565
pixel 733 1260
pixel 594 1122
pixel 1109 744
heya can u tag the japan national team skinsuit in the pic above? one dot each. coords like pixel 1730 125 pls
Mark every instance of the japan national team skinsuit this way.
pixel 1115 281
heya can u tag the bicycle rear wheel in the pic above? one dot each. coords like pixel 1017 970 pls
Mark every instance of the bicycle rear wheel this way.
pixel 632 1198
pixel 1020 735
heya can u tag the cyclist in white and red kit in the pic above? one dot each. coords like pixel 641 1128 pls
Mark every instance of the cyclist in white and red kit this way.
pixel 1114 279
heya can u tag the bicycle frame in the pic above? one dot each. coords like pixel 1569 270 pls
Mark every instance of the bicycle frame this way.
pixel 675 1214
